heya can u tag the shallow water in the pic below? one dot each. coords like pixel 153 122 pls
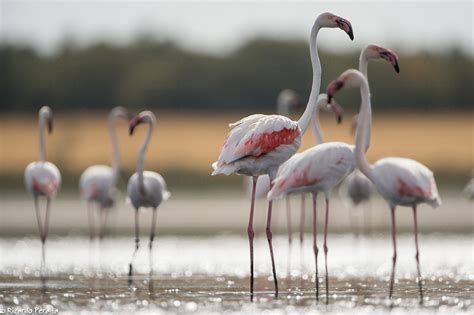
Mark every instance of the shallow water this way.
pixel 210 275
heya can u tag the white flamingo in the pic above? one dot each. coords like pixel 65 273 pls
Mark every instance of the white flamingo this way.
pixel 356 188
pixel 401 181
pixel 145 188
pixel 318 169
pixel 258 144
pixel 42 178
pixel 97 183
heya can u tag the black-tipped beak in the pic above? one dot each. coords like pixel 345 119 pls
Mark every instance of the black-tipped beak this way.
pixel 50 126
pixel 131 129
pixel 351 34
pixel 397 67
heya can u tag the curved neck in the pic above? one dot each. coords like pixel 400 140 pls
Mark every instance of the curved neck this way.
pixel 141 157
pixel 116 160
pixel 316 64
pixel 42 146
pixel 363 65
pixel 317 131
pixel 363 132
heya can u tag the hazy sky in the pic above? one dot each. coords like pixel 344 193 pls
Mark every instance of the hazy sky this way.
pixel 221 26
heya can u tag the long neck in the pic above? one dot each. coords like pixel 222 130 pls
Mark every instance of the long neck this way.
pixel 141 157
pixel 42 146
pixel 316 64
pixel 317 131
pixel 116 160
pixel 363 65
pixel 363 132
pixel 283 109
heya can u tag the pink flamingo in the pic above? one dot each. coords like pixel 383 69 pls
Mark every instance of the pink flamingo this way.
pixel 401 181
pixel 318 169
pixel 357 188
pixel 42 178
pixel 97 183
pixel 145 188
pixel 258 144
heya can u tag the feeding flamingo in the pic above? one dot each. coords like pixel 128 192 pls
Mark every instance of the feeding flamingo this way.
pixel 258 144
pixel 42 178
pixel 357 188
pixel 401 181
pixel 145 188
pixel 97 183
pixel 318 169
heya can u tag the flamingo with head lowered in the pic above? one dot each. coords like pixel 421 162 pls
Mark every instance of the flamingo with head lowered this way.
pixel 97 183
pixel 42 178
pixel 357 188
pixel 401 181
pixel 258 144
pixel 318 169
pixel 145 189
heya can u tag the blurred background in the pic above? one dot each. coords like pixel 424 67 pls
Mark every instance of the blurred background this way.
pixel 201 65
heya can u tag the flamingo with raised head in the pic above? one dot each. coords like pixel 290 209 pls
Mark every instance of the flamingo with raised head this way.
pixel 42 178
pixel 145 189
pixel 98 183
pixel 356 188
pixel 318 169
pixel 401 181
pixel 258 144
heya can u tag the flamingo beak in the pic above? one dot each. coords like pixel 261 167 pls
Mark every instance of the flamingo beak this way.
pixel 50 125
pixel 132 124
pixel 391 57
pixel 333 87
pixel 346 26
pixel 337 109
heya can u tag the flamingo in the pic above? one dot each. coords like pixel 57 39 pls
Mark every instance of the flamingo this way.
pixel 258 144
pixel 42 178
pixel 145 188
pixel 97 183
pixel 318 169
pixel 401 181
pixel 357 188
pixel 469 188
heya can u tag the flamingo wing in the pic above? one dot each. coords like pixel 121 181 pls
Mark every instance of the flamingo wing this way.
pixel 255 136
pixel 406 181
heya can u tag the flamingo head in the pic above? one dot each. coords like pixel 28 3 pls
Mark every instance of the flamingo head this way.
pixel 374 51
pixel 333 106
pixel 349 78
pixel 143 117
pixel 46 114
pixel 331 20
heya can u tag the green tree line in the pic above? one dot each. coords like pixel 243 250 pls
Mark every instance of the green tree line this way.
pixel 155 74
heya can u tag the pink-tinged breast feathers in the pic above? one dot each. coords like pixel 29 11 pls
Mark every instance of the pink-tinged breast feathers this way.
pixel 406 190
pixel 340 161
pixel 268 142
pixel 48 188
pixel 96 190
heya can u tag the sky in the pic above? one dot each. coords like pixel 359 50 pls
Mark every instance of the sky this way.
pixel 219 27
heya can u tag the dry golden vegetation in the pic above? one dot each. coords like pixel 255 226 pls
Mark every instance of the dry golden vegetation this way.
pixel 192 141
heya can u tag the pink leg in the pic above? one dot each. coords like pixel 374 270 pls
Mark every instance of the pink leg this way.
pixel 137 246
pixel 251 233
pixel 394 257
pixel 290 232
pixel 91 221
pixel 417 256
pixel 269 238
pixel 315 245
pixel 326 224
pixel 104 214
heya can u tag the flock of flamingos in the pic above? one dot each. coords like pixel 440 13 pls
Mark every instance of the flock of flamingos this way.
pixel 260 145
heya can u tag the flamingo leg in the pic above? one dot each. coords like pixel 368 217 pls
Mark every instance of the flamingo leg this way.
pixel 315 245
pixel 38 219
pixel 251 233
pixel 137 246
pixel 394 257
pixel 104 214
pixel 152 235
pixel 91 221
pixel 288 220
pixel 326 224
pixel 303 206
pixel 44 234
pixel 417 256
pixel 270 245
